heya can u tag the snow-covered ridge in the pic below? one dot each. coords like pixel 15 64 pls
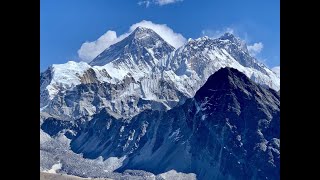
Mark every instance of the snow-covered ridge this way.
pixel 149 61
pixel 65 76
pixel 68 75
pixel 203 56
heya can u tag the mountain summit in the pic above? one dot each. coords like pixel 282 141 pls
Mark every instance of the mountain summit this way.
pixel 143 47
pixel 230 37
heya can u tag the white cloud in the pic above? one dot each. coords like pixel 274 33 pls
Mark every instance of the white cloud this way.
pixel 255 48
pixel 90 50
pixel 217 33
pixel 158 2
pixel 164 2
pixel 147 3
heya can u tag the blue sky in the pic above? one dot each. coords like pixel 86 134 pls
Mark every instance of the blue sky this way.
pixel 66 24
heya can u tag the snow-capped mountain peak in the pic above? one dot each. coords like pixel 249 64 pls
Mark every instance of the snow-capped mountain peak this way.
pixel 143 45
pixel 228 39
pixel 229 36
pixel 142 32
pixel 143 71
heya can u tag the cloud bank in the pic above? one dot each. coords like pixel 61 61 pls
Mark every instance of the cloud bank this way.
pixel 89 50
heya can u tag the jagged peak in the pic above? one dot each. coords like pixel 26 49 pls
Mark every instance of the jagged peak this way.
pixel 228 74
pixel 203 38
pixel 141 29
pixel 142 32
pixel 228 35
pixel 225 79
pixel 234 39
pixel 141 38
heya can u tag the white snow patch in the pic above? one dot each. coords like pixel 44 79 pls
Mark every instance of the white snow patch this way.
pixel 173 174
pixel 113 163
pixel 176 135
pixel 239 137
pixel 122 129
pixel 130 138
pixel 54 168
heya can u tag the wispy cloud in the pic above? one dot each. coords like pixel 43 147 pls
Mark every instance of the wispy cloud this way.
pixel 146 3
pixel 165 2
pixel 255 48
pixel 157 2
pixel 89 50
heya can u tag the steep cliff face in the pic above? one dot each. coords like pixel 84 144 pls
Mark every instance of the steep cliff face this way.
pixel 230 129
pixel 124 99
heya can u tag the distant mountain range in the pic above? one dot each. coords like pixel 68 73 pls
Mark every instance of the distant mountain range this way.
pixel 207 108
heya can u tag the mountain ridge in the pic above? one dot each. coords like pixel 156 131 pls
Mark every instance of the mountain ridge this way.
pixel 213 134
pixel 142 70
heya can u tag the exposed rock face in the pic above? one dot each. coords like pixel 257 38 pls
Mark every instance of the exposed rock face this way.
pixel 230 129
pixel 124 99
pixel 89 77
